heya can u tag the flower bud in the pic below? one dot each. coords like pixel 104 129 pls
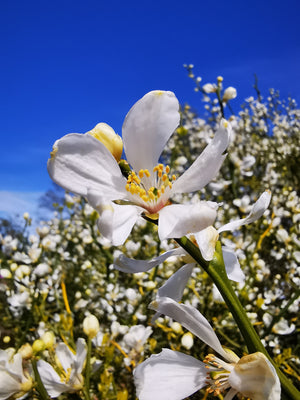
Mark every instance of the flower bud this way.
pixel 49 339
pixel 230 93
pixel 91 326
pixel 26 351
pixel 37 346
pixel 187 340
pixel 106 135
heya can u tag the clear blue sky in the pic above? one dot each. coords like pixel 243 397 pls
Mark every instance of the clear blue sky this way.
pixel 67 65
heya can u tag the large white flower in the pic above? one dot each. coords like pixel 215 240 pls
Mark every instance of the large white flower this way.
pixel 85 166
pixel 171 375
pixel 13 380
pixel 70 367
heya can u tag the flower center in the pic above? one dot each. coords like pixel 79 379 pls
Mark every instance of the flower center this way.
pixel 151 190
pixel 217 374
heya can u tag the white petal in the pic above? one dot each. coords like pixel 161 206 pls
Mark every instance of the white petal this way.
pixel 255 377
pixel 11 385
pixel 131 265
pixel 81 353
pixel 169 375
pixel 206 240
pixel 148 126
pixel 178 220
pixel 175 285
pixel 65 356
pixel 116 221
pixel 232 265
pixel 207 165
pixel 50 379
pixel 80 162
pixel 191 319
pixel 257 211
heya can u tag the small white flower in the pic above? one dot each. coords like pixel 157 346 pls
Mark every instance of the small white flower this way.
pixel 70 377
pixel 174 375
pixel 13 380
pixel 229 93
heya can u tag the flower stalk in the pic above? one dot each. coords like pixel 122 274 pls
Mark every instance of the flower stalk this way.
pixel 216 270
pixel 39 384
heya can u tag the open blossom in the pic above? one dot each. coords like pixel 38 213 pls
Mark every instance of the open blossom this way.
pixel 174 375
pixel 70 367
pixel 83 165
pixel 14 380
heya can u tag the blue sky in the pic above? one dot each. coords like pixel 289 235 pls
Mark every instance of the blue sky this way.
pixel 67 65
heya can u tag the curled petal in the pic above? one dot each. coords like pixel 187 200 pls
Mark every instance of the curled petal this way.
pixel 147 127
pixel 232 265
pixel 175 285
pixel 178 220
pixel 191 319
pixel 131 265
pixel 51 379
pixel 207 165
pixel 257 211
pixel 255 377
pixel 206 240
pixel 80 162
pixel 169 375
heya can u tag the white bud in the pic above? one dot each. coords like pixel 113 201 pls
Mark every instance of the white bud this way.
pixel 91 326
pixel 230 93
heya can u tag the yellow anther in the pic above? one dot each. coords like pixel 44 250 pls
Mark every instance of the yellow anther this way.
pixel 161 166
pixel 127 187
pixel 141 173
pixel 162 189
pixel 151 195
pixel 164 177
pixel 167 169
pixel 159 173
pixel 173 177
pixel 145 198
pixel 158 193
pixel 147 173
pixel 170 185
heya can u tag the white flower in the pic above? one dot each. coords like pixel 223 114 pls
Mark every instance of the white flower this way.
pixel 84 165
pixel 207 238
pixel 209 88
pixel 91 326
pixel 12 377
pixel 70 368
pixel 174 375
pixel 136 337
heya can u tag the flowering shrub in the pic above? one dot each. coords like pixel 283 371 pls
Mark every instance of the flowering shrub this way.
pixel 75 326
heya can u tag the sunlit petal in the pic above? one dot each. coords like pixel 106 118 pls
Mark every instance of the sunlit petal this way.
pixel 232 265
pixel 207 165
pixel 206 240
pixel 257 211
pixel 148 126
pixel 178 220
pixel 169 375
pixel 131 265
pixel 191 319
pixel 80 162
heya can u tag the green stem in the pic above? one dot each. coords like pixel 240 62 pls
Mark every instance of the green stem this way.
pixel 216 270
pixel 88 369
pixel 40 386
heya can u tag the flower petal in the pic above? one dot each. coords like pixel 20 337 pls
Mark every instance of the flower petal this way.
pixel 131 265
pixel 147 127
pixel 178 220
pixel 232 265
pixel 257 211
pixel 79 162
pixel 206 240
pixel 81 353
pixel 65 356
pixel 175 285
pixel 191 319
pixel 169 375
pixel 255 377
pixel 51 380
pixel 207 165
pixel 116 221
